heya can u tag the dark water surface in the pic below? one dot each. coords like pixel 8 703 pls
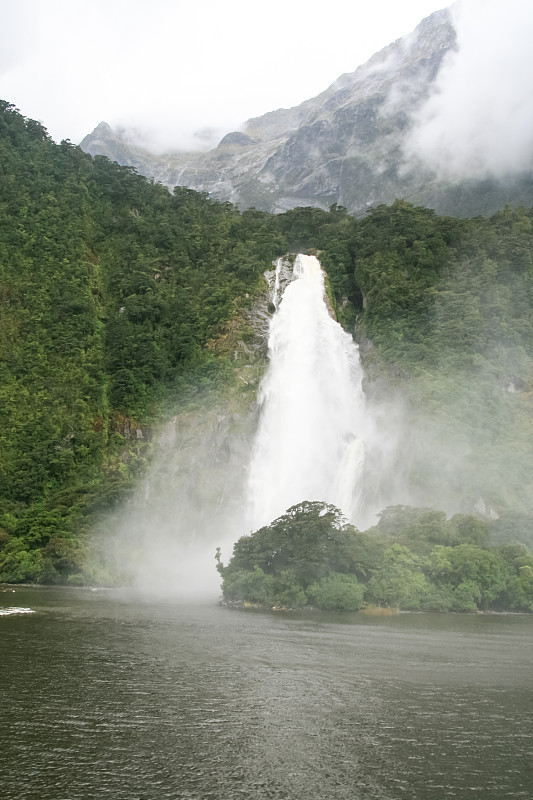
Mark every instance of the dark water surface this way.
pixel 107 696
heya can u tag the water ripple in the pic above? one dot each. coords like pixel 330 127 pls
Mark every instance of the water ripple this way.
pixel 131 702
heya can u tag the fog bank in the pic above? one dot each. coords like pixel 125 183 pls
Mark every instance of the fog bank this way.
pixel 478 123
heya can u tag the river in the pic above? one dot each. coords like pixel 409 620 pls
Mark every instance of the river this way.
pixel 109 695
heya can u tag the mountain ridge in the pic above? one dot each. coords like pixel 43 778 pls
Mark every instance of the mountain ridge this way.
pixel 346 146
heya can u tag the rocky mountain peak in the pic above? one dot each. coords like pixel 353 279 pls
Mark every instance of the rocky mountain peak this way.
pixel 344 146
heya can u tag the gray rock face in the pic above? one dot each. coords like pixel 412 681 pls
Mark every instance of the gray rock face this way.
pixel 344 146
pixel 117 146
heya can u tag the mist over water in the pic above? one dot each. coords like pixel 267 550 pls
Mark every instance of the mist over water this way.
pixel 310 442
pixel 163 540
pixel 237 460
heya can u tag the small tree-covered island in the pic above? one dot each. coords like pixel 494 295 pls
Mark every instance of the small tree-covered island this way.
pixel 413 559
pixel 129 313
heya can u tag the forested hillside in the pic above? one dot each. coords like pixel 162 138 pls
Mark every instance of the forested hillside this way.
pixel 113 290
pixel 445 318
pixel 110 288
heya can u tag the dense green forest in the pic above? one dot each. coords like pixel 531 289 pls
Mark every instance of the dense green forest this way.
pixel 414 558
pixel 113 292
pixel 110 288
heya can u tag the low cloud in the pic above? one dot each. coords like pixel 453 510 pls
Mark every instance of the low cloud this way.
pixel 479 120
pixel 169 138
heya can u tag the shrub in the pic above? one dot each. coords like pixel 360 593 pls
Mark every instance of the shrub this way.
pixel 337 592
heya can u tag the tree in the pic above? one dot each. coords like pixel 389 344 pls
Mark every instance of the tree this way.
pixel 337 592
pixel 470 570
pixel 310 545
pixel 400 581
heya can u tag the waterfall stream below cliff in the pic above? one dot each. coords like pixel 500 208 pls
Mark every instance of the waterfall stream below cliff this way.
pixel 310 439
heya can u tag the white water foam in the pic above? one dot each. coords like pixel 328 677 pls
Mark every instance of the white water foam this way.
pixel 10 610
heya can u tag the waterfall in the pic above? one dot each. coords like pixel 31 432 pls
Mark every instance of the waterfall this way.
pixel 310 438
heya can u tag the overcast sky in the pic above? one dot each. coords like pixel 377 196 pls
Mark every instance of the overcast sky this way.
pixel 172 67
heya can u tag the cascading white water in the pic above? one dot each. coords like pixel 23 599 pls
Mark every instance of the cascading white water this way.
pixel 310 439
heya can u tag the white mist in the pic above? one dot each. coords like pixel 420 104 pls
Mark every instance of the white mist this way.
pixel 310 439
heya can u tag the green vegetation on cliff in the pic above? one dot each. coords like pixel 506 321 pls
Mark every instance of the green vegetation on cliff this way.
pixel 110 289
pixel 114 293
pixel 444 313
